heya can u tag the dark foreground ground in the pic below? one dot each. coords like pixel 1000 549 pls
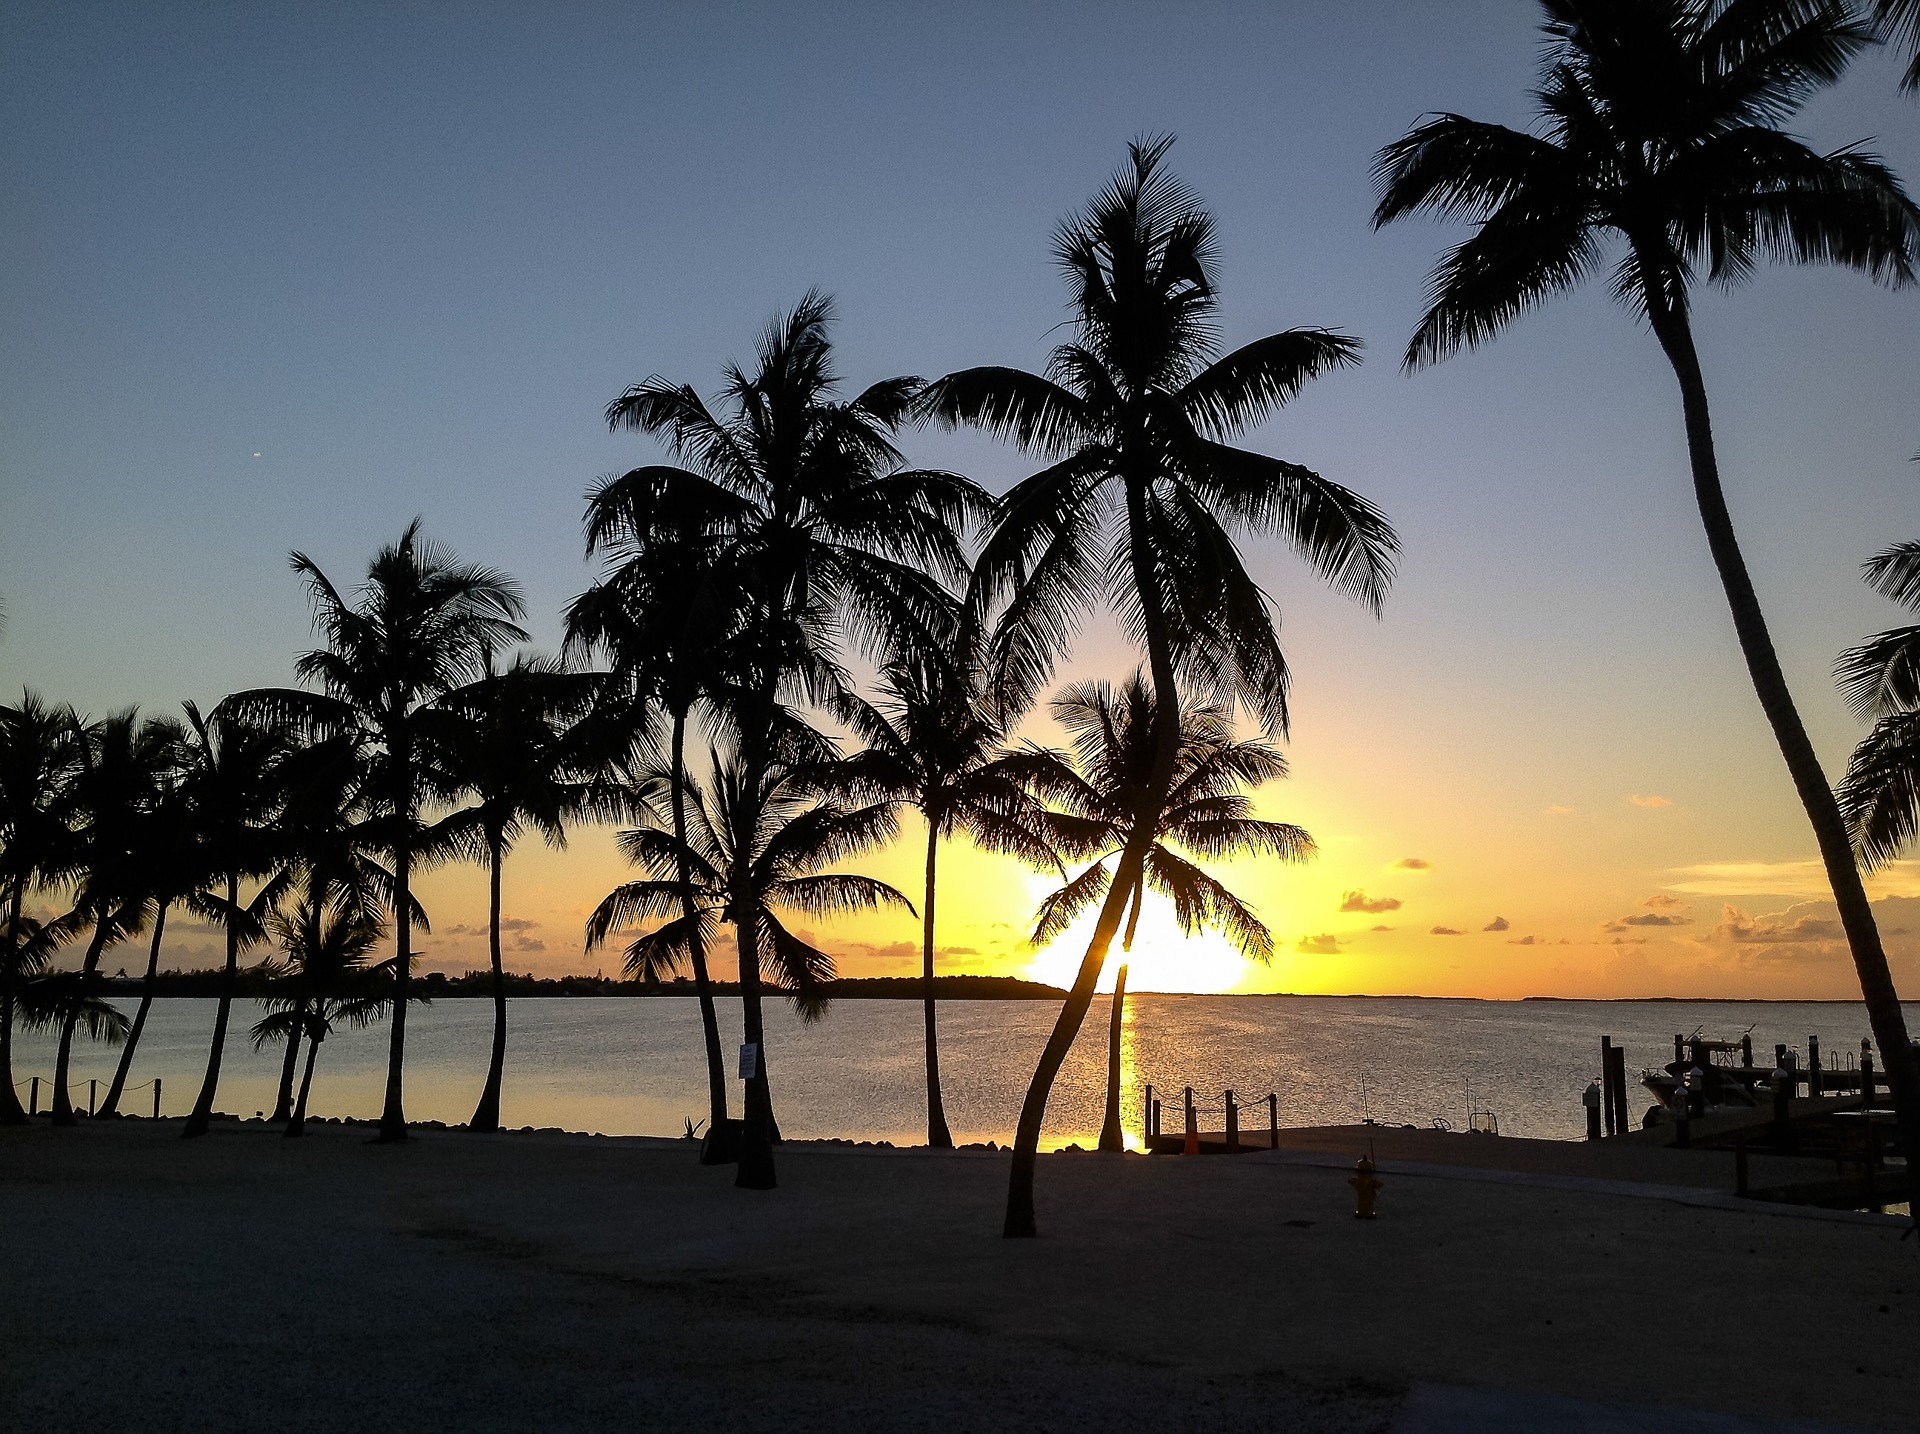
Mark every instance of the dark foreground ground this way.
pixel 570 1283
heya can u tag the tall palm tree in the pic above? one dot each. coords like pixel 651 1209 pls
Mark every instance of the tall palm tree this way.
pixel 1900 20
pixel 934 740
pixel 1141 500
pixel 234 781
pixel 823 534
pixel 39 756
pixel 663 618
pixel 1880 794
pixel 756 846
pixel 517 750
pixel 124 766
pixel 420 626
pixel 1660 120
pixel 327 978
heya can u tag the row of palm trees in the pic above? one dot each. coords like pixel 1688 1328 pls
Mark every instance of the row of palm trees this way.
pixel 787 539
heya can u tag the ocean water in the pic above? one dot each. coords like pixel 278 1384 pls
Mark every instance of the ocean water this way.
pixel 633 1066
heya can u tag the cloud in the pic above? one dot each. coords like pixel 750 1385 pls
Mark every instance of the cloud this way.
pixel 1325 944
pixel 1379 928
pixel 508 924
pixel 1373 905
pixel 1744 930
pixel 1661 901
pixel 1445 931
pixel 1499 923
pixel 1559 811
pixel 1788 878
pixel 1525 941
pixel 528 943
pixel 1413 863
pixel 1649 799
pixel 1655 918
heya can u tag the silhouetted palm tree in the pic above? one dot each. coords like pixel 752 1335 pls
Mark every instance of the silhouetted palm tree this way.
pixel 422 625
pixel 38 758
pixel 124 766
pixel 934 740
pixel 821 531
pixel 1660 119
pixel 756 846
pixel 327 977
pixel 1141 501
pixel 234 780
pixel 517 751
pixel 1880 794
pixel 1900 20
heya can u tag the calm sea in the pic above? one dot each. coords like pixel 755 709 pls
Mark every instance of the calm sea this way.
pixel 634 1065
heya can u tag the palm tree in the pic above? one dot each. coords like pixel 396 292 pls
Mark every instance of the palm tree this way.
pixel 124 765
pixel 171 857
pixel 1880 794
pixel 1900 20
pixel 422 625
pixel 1660 120
pixel 820 531
pixel 517 750
pixel 1104 795
pixel 38 759
pixel 327 939
pixel 235 786
pixel 756 847
pixel 1141 499
pixel 934 739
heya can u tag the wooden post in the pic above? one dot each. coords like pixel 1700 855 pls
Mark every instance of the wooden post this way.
pixel 1273 1121
pixel 1813 1065
pixel 1146 1116
pixel 93 1096
pixel 156 1097
pixel 1866 1080
pixel 33 1097
pixel 1606 1083
pixel 1156 1118
pixel 1620 1089
pixel 1192 1146
pixel 1680 1051
pixel 1233 1125
pixel 1746 1050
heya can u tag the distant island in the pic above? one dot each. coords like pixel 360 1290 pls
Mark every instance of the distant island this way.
pixel 438 985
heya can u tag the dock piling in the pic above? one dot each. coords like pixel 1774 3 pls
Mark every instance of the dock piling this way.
pixel 1192 1146
pixel 1746 1050
pixel 1866 1076
pixel 1607 1102
pixel 93 1096
pixel 1813 1065
pixel 156 1097
pixel 1273 1121
pixel 1146 1116
pixel 33 1096
pixel 1233 1126
pixel 1620 1090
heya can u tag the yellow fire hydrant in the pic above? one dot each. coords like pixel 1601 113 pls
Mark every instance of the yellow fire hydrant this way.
pixel 1365 1186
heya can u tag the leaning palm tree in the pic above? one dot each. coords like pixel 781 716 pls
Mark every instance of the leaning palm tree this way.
pixel 1900 20
pixel 516 748
pixel 1141 501
pixel 422 625
pixel 935 741
pixel 39 755
pixel 756 846
pixel 235 785
pixel 327 978
pixel 124 765
pixel 1660 120
pixel 1880 794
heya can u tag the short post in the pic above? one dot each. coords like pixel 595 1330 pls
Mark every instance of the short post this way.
pixel 1606 1087
pixel 1866 1080
pixel 1156 1118
pixel 1146 1116
pixel 1620 1089
pixel 93 1096
pixel 1746 1050
pixel 1813 1065
pixel 1591 1099
pixel 1273 1121
pixel 156 1097
pixel 1783 1142
pixel 1233 1125
pixel 1680 1050
pixel 1192 1146
pixel 33 1097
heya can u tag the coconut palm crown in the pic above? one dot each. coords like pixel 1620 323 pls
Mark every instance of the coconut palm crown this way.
pixel 1880 794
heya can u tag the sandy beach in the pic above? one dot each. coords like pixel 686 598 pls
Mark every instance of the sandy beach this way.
pixel 571 1282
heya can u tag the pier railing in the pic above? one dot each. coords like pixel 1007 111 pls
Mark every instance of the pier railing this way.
pixel 1241 1120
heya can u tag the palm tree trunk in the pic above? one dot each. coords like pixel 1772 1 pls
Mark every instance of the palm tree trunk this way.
pixel 393 1115
pixel 486 1115
pixel 1823 811
pixel 289 1064
pixel 63 1113
pixel 1112 1135
pixel 702 985
pixel 298 1125
pixel 111 1105
pixel 756 1137
pixel 11 1111
pixel 938 1136
pixel 202 1116
pixel 1127 874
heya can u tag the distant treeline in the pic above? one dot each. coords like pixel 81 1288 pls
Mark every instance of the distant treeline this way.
pixel 437 985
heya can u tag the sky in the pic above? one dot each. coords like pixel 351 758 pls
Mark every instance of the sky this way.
pixel 278 277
